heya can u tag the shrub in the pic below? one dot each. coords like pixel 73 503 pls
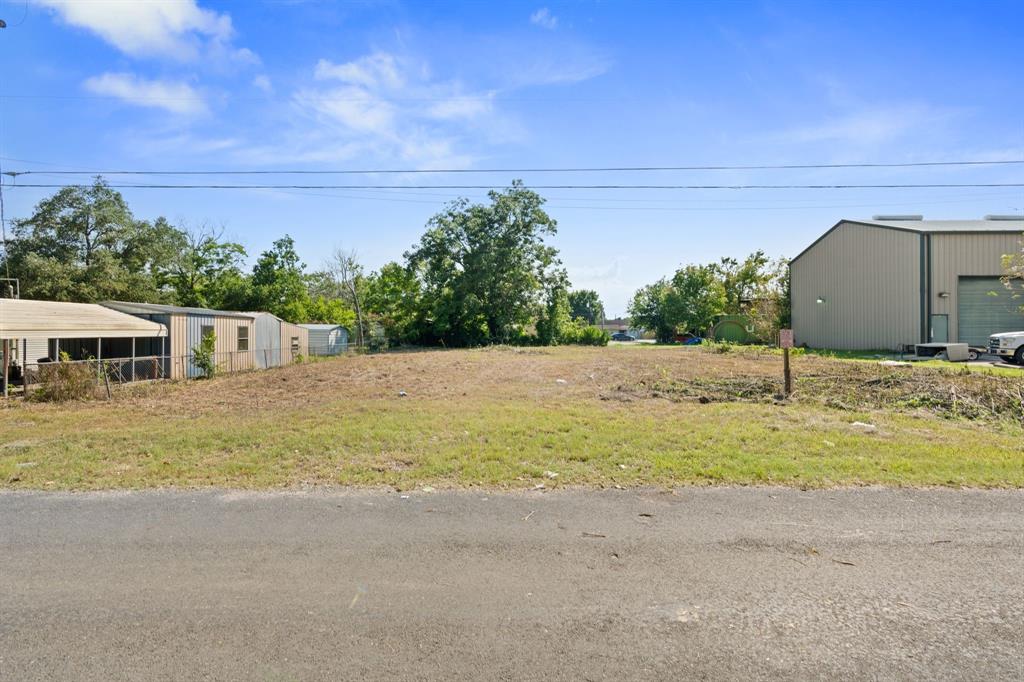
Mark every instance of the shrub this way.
pixel 65 380
pixel 203 356
pixel 593 336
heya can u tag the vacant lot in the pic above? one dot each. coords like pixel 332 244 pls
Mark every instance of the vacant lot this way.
pixel 514 417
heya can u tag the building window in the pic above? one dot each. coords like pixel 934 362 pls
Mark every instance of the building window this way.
pixel 206 330
pixel 295 344
pixel 243 338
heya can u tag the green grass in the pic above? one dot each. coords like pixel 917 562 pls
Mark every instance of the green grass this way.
pixel 500 443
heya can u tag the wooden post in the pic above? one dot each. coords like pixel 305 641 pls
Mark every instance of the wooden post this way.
pixel 786 341
pixel 788 378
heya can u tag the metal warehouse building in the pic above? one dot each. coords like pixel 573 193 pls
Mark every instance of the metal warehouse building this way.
pixel 894 281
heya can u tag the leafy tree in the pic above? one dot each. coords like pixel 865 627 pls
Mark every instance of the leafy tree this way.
pixel 204 357
pixel 485 268
pixel 83 244
pixel 394 298
pixel 555 324
pixel 329 311
pixel 206 272
pixel 649 309
pixel 586 304
pixel 279 283
pixel 696 298
pixel 742 281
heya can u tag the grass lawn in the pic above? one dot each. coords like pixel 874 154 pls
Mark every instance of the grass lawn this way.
pixel 504 417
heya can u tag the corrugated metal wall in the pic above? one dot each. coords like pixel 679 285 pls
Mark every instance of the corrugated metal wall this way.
pixel 268 341
pixel 869 280
pixel 964 255
pixel 289 332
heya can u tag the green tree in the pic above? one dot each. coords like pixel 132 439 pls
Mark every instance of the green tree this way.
pixel 395 300
pixel 84 244
pixel 206 272
pixel 279 282
pixel 586 304
pixel 484 269
pixel 697 296
pixel 743 280
pixel 555 324
pixel 649 310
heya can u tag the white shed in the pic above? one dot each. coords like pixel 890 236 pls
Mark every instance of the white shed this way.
pixel 326 339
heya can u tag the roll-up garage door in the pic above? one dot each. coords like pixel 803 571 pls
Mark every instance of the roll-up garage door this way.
pixel 985 307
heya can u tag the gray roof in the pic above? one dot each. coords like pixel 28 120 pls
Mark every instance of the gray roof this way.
pixel 928 227
pixel 157 308
pixel 321 327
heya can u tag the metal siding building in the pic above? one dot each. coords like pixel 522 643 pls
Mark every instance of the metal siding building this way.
pixel 278 342
pixel 326 339
pixel 233 331
pixel 884 284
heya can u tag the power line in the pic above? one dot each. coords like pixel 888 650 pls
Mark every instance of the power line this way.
pixel 596 169
pixel 944 185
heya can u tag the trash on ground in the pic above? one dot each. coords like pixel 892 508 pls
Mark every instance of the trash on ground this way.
pixel 550 474
pixel 561 381
pixel 592 535
pixel 865 427
pixel 402 394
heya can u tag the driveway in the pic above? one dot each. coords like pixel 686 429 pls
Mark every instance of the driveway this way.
pixel 714 583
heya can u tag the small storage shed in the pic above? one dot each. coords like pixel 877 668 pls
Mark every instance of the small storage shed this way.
pixel 326 339
pixel 278 342
pixel 186 327
pixel 40 330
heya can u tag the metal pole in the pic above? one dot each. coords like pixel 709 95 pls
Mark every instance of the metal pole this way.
pixel 133 359
pixel 7 360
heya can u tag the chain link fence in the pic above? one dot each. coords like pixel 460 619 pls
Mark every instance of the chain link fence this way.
pixel 79 379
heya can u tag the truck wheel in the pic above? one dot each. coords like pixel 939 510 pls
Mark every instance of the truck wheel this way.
pixel 1018 357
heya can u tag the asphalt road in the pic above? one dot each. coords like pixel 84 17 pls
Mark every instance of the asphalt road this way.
pixel 716 583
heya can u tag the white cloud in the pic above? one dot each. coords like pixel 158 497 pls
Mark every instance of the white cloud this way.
pixel 178 29
pixel 544 18
pixel 263 83
pixel 379 69
pixel 388 107
pixel 173 96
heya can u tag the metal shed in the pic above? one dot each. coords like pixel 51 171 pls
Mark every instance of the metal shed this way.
pixel 186 326
pixel 277 342
pixel 895 281
pixel 326 339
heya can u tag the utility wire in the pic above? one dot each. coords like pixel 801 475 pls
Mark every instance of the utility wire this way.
pixel 943 185
pixel 598 169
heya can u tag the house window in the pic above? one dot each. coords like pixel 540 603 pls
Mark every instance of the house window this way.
pixel 243 338
pixel 206 330
pixel 295 344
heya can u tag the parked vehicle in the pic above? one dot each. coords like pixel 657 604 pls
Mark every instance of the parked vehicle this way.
pixel 1008 345
pixel 622 336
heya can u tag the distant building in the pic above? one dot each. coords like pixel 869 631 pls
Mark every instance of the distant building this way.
pixel 894 281
pixel 620 324
pixel 326 339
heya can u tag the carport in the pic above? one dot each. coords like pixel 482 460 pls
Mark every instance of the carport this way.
pixel 39 330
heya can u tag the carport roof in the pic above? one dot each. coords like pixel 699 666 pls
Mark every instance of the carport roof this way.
pixel 160 309
pixel 28 319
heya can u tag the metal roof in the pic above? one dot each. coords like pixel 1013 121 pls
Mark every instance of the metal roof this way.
pixel 927 226
pixel 1000 226
pixel 321 327
pixel 27 319
pixel 158 308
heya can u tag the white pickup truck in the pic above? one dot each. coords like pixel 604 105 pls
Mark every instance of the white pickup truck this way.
pixel 1009 345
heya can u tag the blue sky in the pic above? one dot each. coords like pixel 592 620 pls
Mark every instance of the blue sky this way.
pixel 198 84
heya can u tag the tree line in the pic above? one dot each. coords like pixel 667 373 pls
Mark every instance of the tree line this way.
pixel 697 295
pixel 481 273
